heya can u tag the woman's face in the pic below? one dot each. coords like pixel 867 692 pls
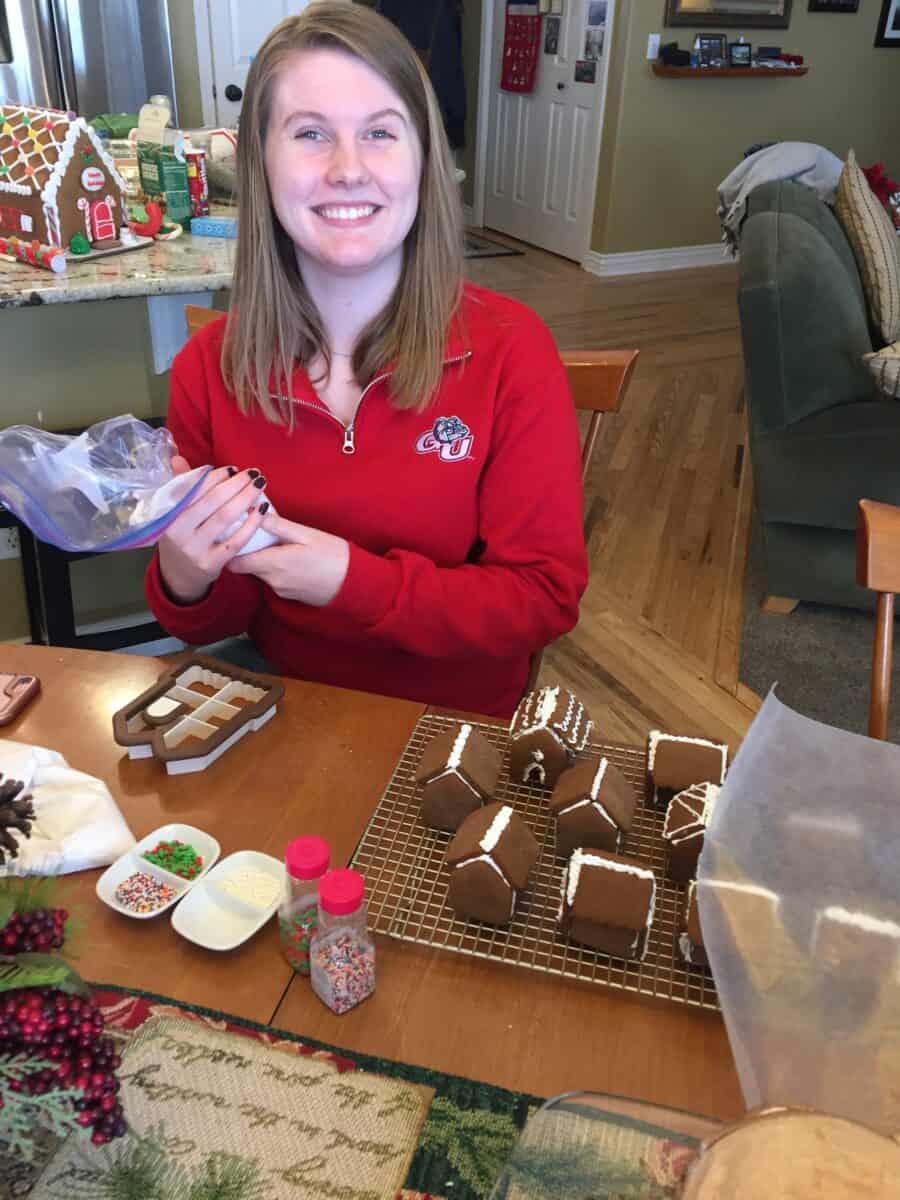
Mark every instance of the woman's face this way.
pixel 343 160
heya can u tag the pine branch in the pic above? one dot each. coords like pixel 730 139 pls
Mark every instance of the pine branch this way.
pixel 21 1114
pixel 139 1168
pixel 227 1177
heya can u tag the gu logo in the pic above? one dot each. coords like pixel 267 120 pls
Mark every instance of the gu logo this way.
pixel 449 439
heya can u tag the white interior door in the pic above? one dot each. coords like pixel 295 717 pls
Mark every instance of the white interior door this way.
pixel 237 30
pixel 543 145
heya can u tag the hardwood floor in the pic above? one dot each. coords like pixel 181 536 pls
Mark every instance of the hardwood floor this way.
pixel 667 501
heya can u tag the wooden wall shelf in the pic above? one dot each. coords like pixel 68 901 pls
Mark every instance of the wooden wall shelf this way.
pixel 727 72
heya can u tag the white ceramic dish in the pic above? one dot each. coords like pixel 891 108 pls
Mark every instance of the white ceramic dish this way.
pixel 217 919
pixel 131 862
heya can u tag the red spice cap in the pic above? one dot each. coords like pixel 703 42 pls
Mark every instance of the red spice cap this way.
pixel 341 892
pixel 307 857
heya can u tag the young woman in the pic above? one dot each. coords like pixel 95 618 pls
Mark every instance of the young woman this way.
pixel 415 435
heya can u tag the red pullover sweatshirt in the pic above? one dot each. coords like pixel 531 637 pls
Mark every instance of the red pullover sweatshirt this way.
pixel 464 522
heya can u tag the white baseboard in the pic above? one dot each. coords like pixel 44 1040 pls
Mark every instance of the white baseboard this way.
pixel 468 216
pixel 641 262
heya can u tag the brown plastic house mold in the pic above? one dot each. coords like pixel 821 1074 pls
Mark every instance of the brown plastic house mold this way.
pixel 195 712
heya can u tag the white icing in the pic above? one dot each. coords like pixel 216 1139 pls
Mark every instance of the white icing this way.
pixel 490 862
pixel 594 804
pixel 459 746
pixel 535 767
pixel 497 829
pixel 657 736
pixel 746 889
pixel 526 721
pixel 598 778
pixel 573 874
pixel 462 779
pixel 860 919
pixel 686 946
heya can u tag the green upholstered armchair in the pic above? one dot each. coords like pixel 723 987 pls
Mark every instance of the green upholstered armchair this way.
pixel 821 436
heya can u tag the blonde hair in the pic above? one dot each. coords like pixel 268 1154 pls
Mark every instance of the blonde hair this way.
pixel 273 322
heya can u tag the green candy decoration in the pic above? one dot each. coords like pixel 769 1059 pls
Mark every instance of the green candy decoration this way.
pixel 79 244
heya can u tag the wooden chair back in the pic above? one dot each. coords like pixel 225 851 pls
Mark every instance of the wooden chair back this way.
pixel 878 568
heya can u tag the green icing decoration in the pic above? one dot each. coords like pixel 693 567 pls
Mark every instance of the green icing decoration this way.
pixel 79 244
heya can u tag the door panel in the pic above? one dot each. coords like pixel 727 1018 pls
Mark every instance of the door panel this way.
pixel 238 29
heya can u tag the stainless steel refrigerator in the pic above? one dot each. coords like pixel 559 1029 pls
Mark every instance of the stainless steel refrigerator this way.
pixel 88 56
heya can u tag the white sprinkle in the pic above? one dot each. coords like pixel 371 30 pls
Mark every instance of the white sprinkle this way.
pixel 496 830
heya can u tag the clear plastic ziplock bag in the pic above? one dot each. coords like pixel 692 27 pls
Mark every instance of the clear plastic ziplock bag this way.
pixel 799 900
pixel 110 488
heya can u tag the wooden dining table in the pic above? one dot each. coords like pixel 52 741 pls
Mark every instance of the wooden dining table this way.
pixel 320 766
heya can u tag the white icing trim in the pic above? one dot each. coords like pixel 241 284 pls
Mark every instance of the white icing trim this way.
pixel 701 812
pixel 459 746
pixel 686 946
pixel 497 829
pixel 17 188
pixel 657 736
pixel 594 804
pixel 598 778
pixel 860 920
pixel 485 858
pixel 747 889
pixel 462 779
pixel 546 700
pixel 573 874
pixel 535 766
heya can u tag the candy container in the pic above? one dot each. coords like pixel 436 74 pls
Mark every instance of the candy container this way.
pixel 342 954
pixel 306 861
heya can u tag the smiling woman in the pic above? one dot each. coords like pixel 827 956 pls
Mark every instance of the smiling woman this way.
pixel 414 436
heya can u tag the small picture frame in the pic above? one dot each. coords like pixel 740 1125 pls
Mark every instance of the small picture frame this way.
pixel 740 54
pixel 713 48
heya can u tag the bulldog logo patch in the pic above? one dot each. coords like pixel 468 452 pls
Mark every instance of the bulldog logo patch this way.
pixel 449 438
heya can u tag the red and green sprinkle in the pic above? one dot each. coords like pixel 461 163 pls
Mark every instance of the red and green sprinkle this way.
pixel 178 857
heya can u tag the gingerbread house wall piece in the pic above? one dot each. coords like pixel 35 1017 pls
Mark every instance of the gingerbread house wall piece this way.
pixel 593 804
pixel 690 935
pixel 490 860
pixel 608 902
pixel 458 772
pixel 675 762
pixel 548 729
pixel 684 828
pixel 56 179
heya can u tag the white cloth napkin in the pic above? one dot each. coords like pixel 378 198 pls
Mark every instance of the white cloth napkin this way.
pixel 77 826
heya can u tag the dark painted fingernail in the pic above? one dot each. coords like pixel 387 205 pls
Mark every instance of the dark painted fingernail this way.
pixel 232 471
pixel 253 473
pixel 264 507
pixel 261 482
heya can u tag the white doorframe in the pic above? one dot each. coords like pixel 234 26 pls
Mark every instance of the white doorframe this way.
pixel 205 62
pixel 485 68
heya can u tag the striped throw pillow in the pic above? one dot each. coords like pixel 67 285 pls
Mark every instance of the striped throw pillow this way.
pixel 876 248
pixel 885 368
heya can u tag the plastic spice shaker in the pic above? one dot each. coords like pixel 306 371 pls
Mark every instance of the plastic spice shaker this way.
pixel 342 954
pixel 306 861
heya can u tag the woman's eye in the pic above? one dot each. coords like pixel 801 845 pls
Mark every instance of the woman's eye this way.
pixel 381 134
pixel 310 135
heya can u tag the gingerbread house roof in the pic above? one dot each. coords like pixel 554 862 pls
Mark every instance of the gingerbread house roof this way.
pixel 463 751
pixel 499 834
pixel 586 894
pixel 718 750
pixel 556 711
pixel 37 147
pixel 690 812
pixel 593 781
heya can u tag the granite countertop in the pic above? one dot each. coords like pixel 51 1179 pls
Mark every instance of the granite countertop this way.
pixel 188 264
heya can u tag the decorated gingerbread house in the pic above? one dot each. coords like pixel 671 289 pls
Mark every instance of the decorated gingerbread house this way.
pixel 490 859
pixel 593 804
pixel 56 179
pixel 608 902
pixel 675 762
pixel 549 728
pixel 458 773
pixel 684 828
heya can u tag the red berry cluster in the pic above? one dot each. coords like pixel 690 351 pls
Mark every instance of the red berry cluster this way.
pixel 68 1031
pixel 38 931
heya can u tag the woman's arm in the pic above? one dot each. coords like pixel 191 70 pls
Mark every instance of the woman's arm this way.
pixel 231 601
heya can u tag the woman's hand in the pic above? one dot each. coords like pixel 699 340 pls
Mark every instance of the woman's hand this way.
pixel 308 565
pixel 191 556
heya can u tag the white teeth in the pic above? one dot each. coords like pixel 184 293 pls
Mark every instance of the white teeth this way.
pixel 348 214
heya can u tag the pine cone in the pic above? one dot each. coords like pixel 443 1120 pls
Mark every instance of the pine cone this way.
pixel 16 812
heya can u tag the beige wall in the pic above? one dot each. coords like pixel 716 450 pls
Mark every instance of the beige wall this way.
pixel 668 142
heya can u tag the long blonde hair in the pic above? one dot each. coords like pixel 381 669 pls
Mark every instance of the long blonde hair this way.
pixel 273 322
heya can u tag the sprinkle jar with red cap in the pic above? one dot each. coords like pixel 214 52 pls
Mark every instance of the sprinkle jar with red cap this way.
pixel 342 953
pixel 306 861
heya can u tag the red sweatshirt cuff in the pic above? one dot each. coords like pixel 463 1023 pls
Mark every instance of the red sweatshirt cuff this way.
pixel 190 622
pixel 368 589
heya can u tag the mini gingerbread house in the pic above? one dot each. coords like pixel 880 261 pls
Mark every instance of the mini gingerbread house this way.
pixel 56 179
pixel 490 859
pixel 684 828
pixel 458 773
pixel 608 902
pixel 593 804
pixel 549 728
pixel 674 763
pixel 690 935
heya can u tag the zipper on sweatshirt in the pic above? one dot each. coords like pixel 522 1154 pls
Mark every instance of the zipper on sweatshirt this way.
pixel 349 428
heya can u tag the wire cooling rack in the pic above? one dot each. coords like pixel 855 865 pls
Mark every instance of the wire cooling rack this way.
pixel 406 883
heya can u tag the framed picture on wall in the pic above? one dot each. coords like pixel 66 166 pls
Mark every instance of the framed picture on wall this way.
pixel 749 14
pixel 889 24
pixel 740 54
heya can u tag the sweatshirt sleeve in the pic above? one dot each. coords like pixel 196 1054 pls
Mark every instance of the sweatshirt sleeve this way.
pixel 524 589
pixel 227 609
